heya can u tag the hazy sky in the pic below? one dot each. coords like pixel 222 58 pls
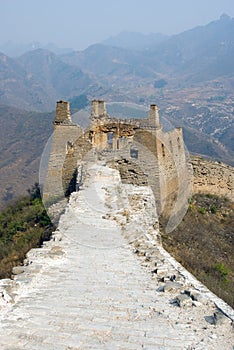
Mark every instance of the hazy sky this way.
pixel 79 23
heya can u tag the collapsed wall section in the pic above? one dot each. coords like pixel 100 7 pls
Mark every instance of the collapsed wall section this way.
pixel 140 149
pixel 212 177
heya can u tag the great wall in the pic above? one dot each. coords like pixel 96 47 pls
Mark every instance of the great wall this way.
pixel 104 280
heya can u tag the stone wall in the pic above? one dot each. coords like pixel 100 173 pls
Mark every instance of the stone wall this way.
pixel 213 177
pixel 78 151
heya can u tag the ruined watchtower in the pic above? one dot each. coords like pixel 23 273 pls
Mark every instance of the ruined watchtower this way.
pixel 143 153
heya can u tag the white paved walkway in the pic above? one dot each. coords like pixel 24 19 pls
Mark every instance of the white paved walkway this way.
pixel 88 290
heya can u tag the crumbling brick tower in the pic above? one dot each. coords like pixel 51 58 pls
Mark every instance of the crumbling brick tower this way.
pixel 64 135
pixel 139 148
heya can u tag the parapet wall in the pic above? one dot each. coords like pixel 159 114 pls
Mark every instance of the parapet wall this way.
pixel 213 178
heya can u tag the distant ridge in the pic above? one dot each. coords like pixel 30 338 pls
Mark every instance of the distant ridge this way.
pixel 38 78
pixel 134 40
pixel 14 49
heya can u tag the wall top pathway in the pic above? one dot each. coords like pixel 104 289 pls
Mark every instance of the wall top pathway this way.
pixel 105 282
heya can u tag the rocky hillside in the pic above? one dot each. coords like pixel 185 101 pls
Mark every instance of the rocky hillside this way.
pixel 23 136
pixel 204 243
pixel 37 79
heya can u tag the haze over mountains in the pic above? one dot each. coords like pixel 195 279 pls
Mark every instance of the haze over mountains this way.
pixel 200 54
pixel 189 75
pixel 15 50
pixel 135 41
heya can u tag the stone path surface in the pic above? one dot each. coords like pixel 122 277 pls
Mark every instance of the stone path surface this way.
pixel 91 288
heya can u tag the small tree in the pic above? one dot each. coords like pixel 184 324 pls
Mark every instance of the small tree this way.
pixel 34 192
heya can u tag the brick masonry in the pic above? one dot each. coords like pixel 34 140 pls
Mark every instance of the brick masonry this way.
pixel 158 155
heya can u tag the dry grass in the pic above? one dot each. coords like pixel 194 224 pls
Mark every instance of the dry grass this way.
pixel 204 242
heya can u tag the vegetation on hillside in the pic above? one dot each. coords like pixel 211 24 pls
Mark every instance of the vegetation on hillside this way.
pixel 204 242
pixel 158 84
pixel 23 225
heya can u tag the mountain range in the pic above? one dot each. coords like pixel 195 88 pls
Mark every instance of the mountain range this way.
pixel 135 41
pixel 197 55
pixel 13 49
pixel 189 75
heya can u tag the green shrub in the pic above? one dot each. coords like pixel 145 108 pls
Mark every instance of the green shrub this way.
pixel 23 226
pixel 223 270
pixel 213 209
pixel 201 210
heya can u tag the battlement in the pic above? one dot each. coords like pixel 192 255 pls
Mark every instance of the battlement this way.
pixel 62 112
pixel 99 116
pixel 98 111
pixel 153 116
